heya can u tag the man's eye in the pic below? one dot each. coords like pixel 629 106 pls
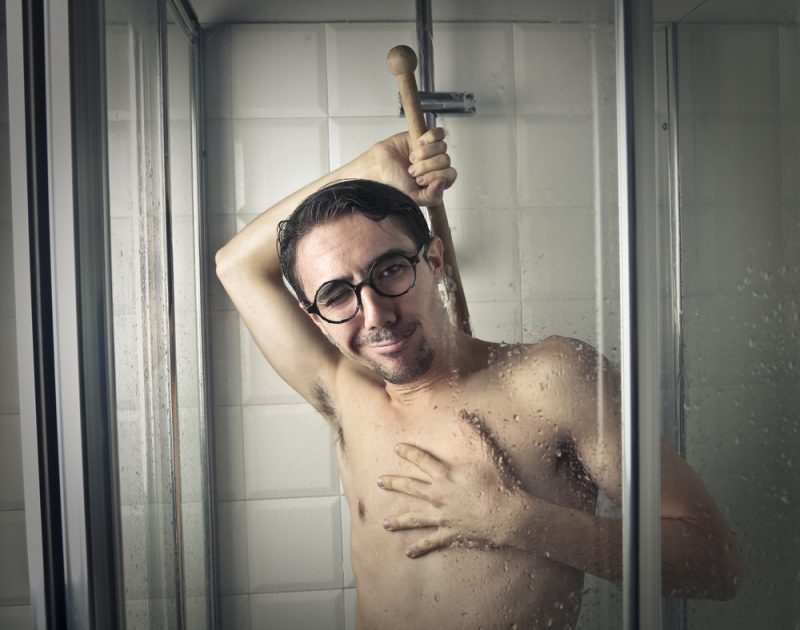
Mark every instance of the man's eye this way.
pixel 335 297
pixel 392 270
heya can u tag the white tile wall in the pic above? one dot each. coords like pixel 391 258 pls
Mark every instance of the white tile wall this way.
pixel 347 564
pixel 278 71
pixel 217 69
pixel 350 602
pixel 737 159
pixel 228 453
pixel 556 76
pixel 790 157
pixel 275 157
pixel 11 489
pixel 7 265
pixel 557 253
pixel 234 612
pixel 226 371
pixel 349 137
pixel 483 151
pixel 16 618
pixel 735 70
pixel 294 544
pixel 496 321
pixel 555 161
pixel 738 91
pixel 359 82
pixel 220 163
pixel 261 384
pixel 13 550
pixel 308 610
pixel 232 548
pixel 789 82
pixel 9 383
pixel 3 78
pixel 753 231
pixel 488 255
pixel 274 435
pixel 486 70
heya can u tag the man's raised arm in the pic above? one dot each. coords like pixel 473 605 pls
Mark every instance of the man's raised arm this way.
pixel 249 269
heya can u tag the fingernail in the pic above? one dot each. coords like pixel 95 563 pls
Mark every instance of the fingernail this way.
pixel 397 448
pixel 412 157
pixel 420 180
pixel 380 482
pixel 409 553
pixel 411 170
pixel 386 525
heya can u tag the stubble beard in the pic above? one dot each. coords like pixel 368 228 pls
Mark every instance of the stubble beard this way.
pixel 412 365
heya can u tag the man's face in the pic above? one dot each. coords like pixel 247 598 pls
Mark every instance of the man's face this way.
pixel 391 336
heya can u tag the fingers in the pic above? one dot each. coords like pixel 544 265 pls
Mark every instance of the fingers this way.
pixel 407 485
pixel 428 543
pixel 423 460
pixel 411 520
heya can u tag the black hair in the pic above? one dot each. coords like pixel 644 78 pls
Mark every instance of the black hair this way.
pixel 374 200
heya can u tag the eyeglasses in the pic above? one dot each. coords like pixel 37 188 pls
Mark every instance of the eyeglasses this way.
pixel 390 275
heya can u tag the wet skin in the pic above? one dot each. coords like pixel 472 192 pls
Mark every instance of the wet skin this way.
pixel 471 401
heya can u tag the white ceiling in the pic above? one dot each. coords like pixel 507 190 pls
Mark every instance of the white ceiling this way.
pixel 227 11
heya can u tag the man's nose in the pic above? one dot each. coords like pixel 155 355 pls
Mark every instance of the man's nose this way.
pixel 378 310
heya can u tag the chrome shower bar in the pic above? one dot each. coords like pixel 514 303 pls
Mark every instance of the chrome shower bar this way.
pixel 445 103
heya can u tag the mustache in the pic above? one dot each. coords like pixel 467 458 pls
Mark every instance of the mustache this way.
pixel 386 335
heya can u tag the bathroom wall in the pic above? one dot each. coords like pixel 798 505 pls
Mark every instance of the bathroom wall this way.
pixel 14 591
pixel 739 106
pixel 533 216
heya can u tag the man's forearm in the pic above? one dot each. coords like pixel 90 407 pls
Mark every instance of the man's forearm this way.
pixel 249 255
pixel 695 562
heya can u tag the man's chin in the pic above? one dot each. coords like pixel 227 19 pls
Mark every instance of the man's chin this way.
pixel 402 370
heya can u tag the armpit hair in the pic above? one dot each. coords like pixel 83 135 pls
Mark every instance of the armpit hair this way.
pixel 323 404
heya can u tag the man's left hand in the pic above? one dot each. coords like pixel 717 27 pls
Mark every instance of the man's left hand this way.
pixel 469 503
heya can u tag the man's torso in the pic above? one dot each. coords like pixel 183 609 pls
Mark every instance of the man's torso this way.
pixel 458 587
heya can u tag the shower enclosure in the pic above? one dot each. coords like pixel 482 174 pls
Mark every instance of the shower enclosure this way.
pixel 631 178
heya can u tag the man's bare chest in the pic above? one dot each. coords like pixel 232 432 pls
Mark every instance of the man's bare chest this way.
pixel 521 438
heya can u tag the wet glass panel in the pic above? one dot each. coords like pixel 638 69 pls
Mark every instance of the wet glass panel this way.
pixel 534 220
pixel 739 142
pixel 185 234
pixel 140 312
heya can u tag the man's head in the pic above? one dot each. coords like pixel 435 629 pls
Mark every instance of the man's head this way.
pixel 341 235
pixel 354 196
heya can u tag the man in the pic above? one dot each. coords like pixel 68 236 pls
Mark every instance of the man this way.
pixel 471 468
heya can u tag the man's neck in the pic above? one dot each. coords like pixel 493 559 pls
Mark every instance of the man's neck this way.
pixel 459 356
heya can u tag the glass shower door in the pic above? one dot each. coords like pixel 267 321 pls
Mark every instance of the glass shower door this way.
pixel 158 335
pixel 737 148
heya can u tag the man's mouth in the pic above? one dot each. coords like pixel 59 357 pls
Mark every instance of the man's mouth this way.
pixel 390 341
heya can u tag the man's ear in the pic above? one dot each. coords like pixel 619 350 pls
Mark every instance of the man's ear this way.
pixel 435 255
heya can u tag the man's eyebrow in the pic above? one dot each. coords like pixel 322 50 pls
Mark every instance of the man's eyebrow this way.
pixel 394 251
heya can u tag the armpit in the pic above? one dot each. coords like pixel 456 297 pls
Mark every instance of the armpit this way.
pixel 322 403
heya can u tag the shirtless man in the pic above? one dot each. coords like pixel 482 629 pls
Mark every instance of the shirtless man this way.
pixel 471 468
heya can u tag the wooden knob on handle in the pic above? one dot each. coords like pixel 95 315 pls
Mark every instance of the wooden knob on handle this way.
pixel 402 62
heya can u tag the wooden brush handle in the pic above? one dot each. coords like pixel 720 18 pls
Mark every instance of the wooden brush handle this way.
pixel 402 63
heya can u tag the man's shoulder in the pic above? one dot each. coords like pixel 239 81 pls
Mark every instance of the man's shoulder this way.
pixel 565 354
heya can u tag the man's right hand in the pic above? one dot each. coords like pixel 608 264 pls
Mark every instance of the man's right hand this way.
pixel 421 170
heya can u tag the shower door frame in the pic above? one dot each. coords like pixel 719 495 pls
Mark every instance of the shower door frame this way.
pixel 61 230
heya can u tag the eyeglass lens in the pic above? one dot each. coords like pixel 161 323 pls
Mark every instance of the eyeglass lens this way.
pixel 391 277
